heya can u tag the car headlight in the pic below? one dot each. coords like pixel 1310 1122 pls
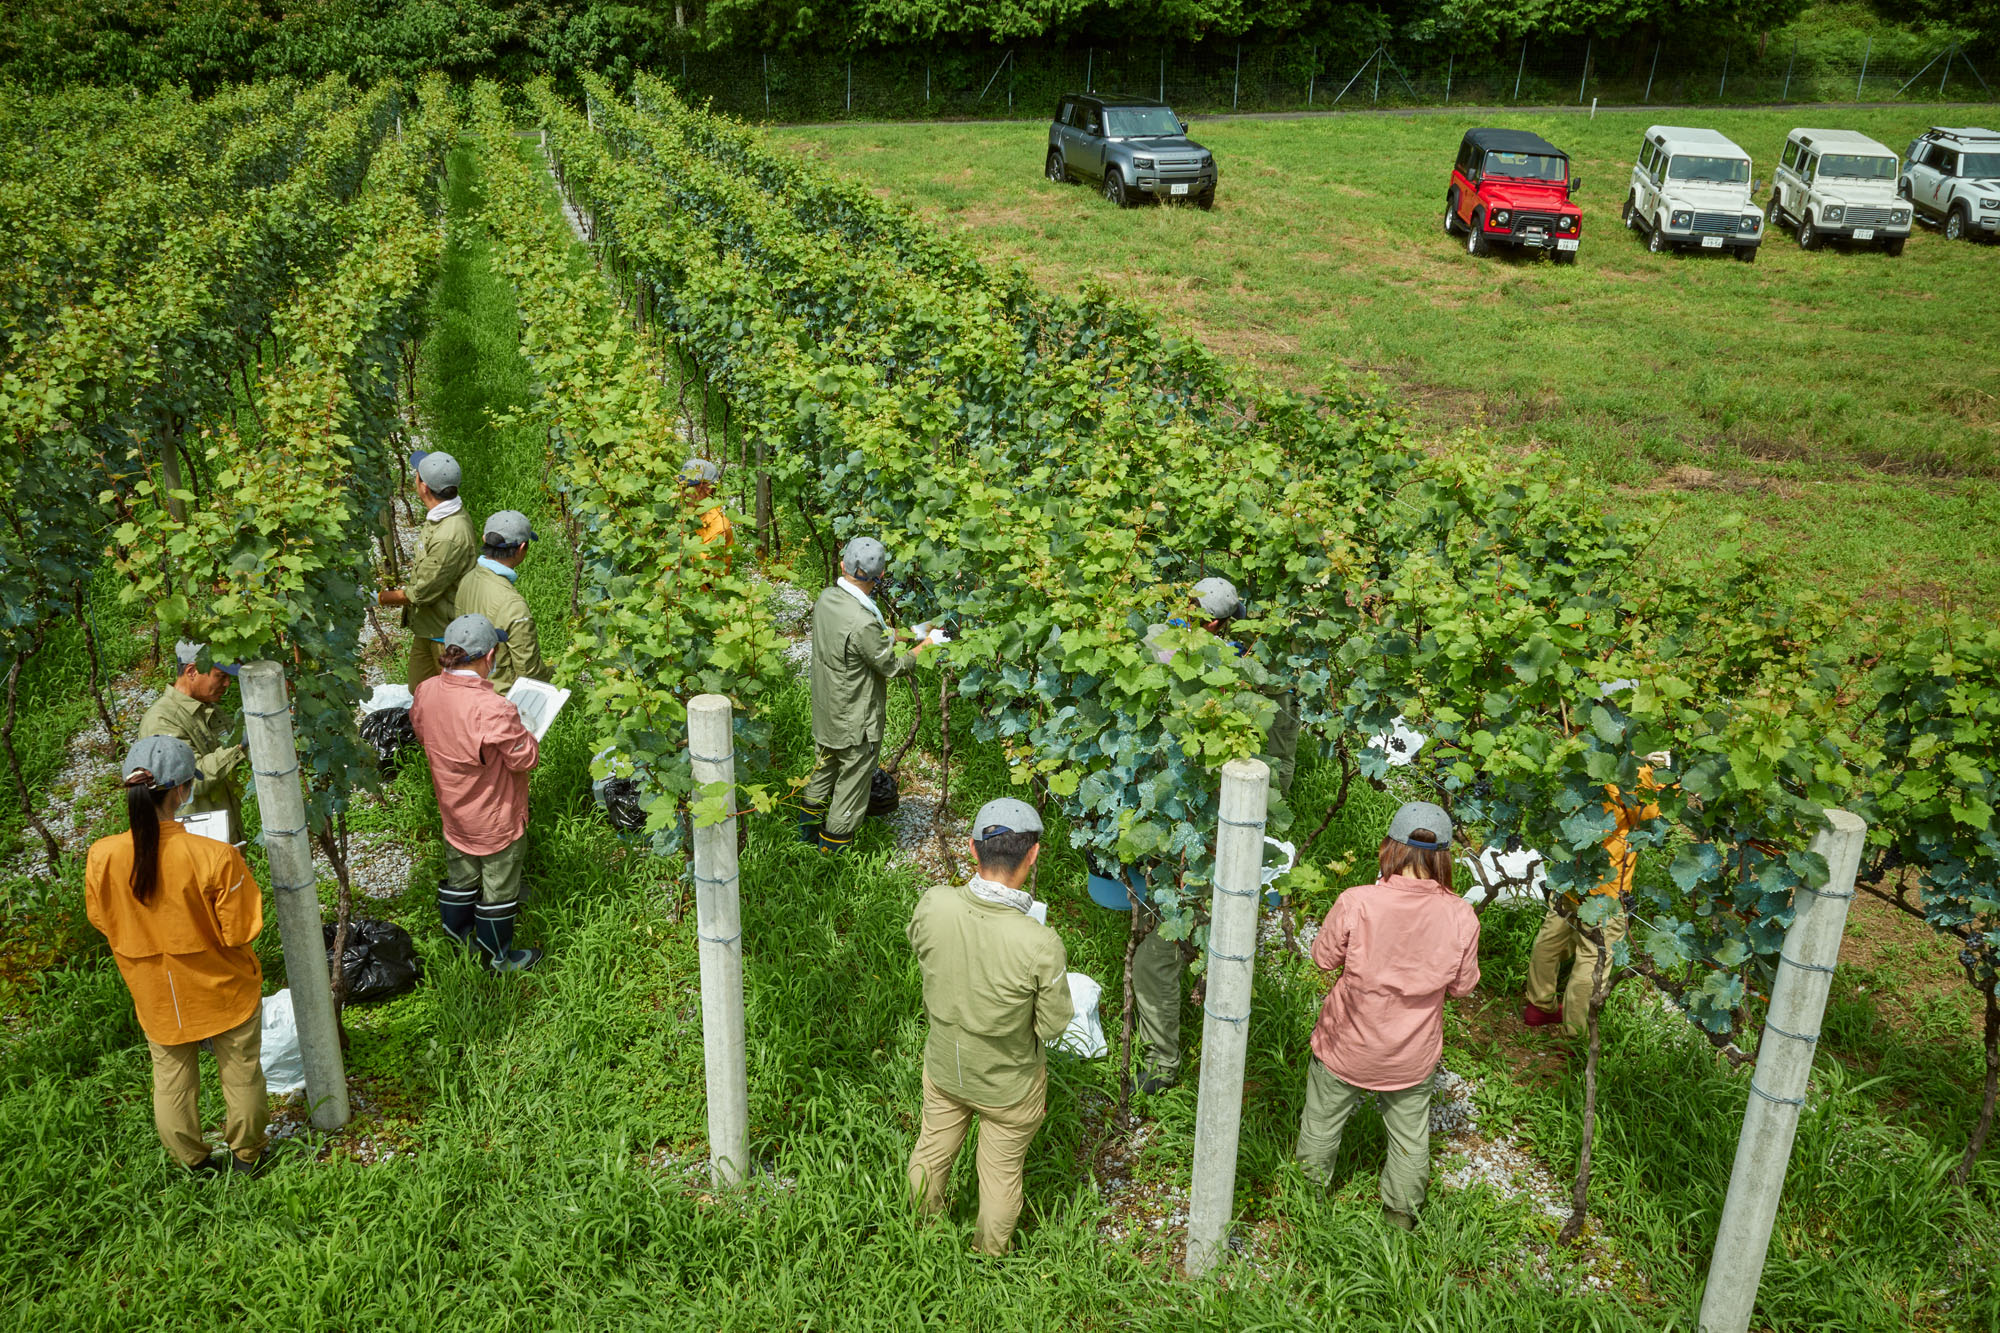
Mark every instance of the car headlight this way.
pixel 1989 203
pixel 1681 219
pixel 1500 218
pixel 1565 223
pixel 1832 213
pixel 1750 223
pixel 1901 215
pixel 1143 163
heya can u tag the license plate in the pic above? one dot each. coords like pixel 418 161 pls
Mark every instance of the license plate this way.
pixel 1711 242
pixel 1864 233
pixel 1565 245
pixel 1177 189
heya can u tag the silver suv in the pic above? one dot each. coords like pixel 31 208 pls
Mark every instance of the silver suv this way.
pixel 1133 146
pixel 1838 185
pixel 1953 178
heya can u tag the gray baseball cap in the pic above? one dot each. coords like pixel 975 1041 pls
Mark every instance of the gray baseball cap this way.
pixel 474 635
pixel 698 470
pixel 188 653
pixel 1218 598
pixel 168 758
pixel 1421 815
pixel 865 558
pixel 437 470
pixel 1005 815
pixel 509 527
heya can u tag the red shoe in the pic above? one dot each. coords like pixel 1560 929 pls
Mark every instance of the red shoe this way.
pixel 1540 1018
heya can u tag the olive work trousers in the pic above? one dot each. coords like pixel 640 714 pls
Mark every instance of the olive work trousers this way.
pixel 497 875
pixel 423 660
pixel 1557 940
pixel 1406 1115
pixel 1002 1155
pixel 177 1092
pixel 839 786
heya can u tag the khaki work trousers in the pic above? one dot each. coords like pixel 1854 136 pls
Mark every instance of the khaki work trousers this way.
pixel 423 660
pixel 497 874
pixel 1559 937
pixel 1002 1155
pixel 1157 969
pixel 839 786
pixel 1406 1115
pixel 177 1092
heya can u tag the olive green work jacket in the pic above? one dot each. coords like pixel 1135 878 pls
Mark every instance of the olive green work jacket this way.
pixel 446 550
pixel 853 661
pixel 201 726
pixel 996 986
pixel 483 592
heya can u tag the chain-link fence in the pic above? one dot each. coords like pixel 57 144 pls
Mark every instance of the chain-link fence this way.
pixel 1301 75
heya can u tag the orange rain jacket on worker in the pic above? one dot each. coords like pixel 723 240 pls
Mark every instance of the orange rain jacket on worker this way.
pixel 1629 817
pixel 185 954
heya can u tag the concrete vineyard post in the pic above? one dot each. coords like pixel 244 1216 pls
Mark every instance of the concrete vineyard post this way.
pixel 281 806
pixel 719 928
pixel 1225 1024
pixel 1778 1087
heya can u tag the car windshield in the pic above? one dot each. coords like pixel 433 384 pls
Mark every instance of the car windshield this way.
pixel 1714 170
pixel 1526 166
pixel 1860 168
pixel 1980 166
pixel 1140 122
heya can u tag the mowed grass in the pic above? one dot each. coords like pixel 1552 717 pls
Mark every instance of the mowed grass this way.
pixel 1847 403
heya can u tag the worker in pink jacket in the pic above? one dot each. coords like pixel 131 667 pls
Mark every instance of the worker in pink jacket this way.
pixel 481 754
pixel 1401 945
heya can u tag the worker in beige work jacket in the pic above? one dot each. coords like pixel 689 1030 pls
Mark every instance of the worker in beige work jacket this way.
pixel 854 657
pixel 447 548
pixel 189 709
pixel 489 590
pixel 996 988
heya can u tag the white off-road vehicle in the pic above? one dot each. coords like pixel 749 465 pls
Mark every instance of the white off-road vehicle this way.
pixel 1691 188
pixel 1952 177
pixel 1838 185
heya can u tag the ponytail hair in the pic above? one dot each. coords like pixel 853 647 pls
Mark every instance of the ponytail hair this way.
pixel 142 811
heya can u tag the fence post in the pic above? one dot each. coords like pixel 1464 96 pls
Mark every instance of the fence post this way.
pixel 1450 60
pixel 719 928
pixel 1778 1086
pixel 1948 52
pixel 1312 74
pixel 1236 90
pixel 767 82
pixel 281 806
pixel 1090 69
pixel 1163 78
pixel 1520 68
pixel 850 85
pixel 1720 87
pixel 1787 93
pixel 1376 96
pixel 1865 51
pixel 1584 82
pixel 927 83
pixel 1225 1024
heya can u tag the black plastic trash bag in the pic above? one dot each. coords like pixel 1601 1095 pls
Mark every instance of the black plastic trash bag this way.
pixel 883 798
pixel 620 797
pixel 380 963
pixel 389 731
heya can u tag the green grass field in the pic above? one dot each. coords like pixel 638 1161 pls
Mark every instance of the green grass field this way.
pixel 1848 404
pixel 528 1149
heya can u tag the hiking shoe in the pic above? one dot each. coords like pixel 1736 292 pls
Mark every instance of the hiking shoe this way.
pixel 257 1166
pixel 1154 1084
pixel 1400 1221
pixel 205 1169
pixel 1536 1017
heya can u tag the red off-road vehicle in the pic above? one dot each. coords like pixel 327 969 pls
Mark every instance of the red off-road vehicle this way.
pixel 1510 187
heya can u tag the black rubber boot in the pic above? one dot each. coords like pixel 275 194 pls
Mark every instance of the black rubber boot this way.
pixel 828 843
pixel 810 819
pixel 455 910
pixel 493 925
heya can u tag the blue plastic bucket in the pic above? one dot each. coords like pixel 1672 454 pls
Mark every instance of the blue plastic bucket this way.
pixel 1109 893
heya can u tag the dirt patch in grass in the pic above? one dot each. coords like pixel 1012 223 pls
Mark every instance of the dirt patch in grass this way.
pixel 1909 966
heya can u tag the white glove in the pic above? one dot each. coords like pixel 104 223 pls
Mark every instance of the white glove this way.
pixel 938 636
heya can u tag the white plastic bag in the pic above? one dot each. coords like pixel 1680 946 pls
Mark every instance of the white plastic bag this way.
pixel 284 1066
pixel 1499 868
pixel 387 696
pixel 1085 1034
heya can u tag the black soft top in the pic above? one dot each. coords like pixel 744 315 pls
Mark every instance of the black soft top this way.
pixel 1513 141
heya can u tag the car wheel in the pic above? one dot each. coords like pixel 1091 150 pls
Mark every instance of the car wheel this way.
pixel 1055 170
pixel 1656 239
pixel 1774 216
pixel 1451 214
pixel 1631 214
pixel 1205 201
pixel 1895 247
pixel 1954 224
pixel 1475 237
pixel 1808 234
pixel 1114 187
pixel 1564 256
pixel 1903 190
pixel 1746 254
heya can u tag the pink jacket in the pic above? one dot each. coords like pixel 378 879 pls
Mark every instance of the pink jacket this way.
pixel 1404 944
pixel 480 757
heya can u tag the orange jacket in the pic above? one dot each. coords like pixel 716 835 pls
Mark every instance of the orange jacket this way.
pixel 1629 817
pixel 185 955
